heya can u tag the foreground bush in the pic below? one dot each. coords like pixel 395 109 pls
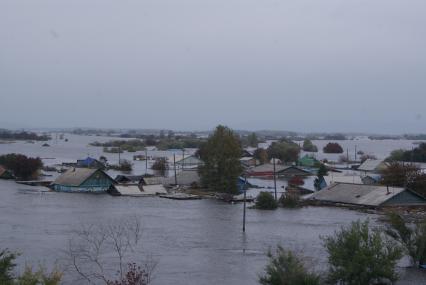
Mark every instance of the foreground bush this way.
pixel 265 201
pixel 358 255
pixel 289 201
pixel 413 239
pixel 29 277
pixel 285 268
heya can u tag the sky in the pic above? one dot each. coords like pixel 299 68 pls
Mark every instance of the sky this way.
pixel 301 65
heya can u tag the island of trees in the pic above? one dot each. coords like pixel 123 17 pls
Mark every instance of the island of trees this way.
pixel 27 136
pixel 333 148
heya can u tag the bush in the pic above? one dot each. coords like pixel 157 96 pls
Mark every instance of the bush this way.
pixel 22 166
pixel 160 165
pixel 285 268
pixel 289 201
pixel 124 165
pixel 309 146
pixel 265 201
pixel 413 239
pixel 135 275
pixel 358 255
pixel 333 148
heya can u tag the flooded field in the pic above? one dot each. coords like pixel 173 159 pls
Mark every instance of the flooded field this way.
pixel 194 242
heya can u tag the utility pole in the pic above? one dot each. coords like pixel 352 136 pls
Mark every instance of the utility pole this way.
pixel 119 155
pixel 275 180
pixel 146 161
pixel 355 153
pixel 244 211
pixel 174 167
pixel 183 158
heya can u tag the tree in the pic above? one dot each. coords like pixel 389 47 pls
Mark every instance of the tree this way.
pixel 29 277
pixel 309 146
pixel 262 155
pixel 333 148
pixel 358 255
pixel 285 151
pixel 412 237
pixel 285 268
pixel 364 157
pixel 160 165
pixel 252 140
pixel 22 166
pixel 221 156
pixel 398 174
pixel 265 201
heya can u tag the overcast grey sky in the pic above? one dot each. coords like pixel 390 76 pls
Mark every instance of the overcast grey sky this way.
pixel 318 65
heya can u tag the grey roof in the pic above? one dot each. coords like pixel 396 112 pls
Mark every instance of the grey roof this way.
pixel 185 177
pixel 356 194
pixel 76 176
pixel 371 165
pixel 268 167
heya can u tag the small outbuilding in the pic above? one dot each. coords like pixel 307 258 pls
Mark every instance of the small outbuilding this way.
pixel 84 180
pixel 267 170
pixel 373 165
pixel 5 174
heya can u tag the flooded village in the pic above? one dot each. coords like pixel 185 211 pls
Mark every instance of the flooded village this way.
pixel 190 231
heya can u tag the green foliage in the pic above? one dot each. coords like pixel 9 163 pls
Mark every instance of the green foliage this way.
pixel 123 145
pixel 124 165
pixel 309 146
pixel 40 277
pixel 285 268
pixel 322 171
pixel 289 201
pixel 261 155
pixel 412 238
pixel 398 174
pixel 221 157
pixel 265 201
pixel 286 151
pixel 7 266
pixel 9 135
pixel 358 255
pixel 418 154
pixel 252 140
pixel 160 165
pixel 333 148
pixel 22 166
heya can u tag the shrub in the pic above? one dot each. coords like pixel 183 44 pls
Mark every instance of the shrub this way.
pixel 309 146
pixel 265 201
pixel 22 166
pixel 289 201
pixel 135 275
pixel 358 255
pixel 160 165
pixel 413 239
pixel 333 148
pixel 285 268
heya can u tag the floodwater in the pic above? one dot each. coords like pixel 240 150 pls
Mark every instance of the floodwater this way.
pixel 194 242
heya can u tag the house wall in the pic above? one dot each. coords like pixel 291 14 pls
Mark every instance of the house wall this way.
pixel 97 183
pixel 404 198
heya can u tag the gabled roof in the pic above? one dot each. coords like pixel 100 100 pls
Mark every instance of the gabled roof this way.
pixel 128 178
pixel 371 165
pixel 357 194
pixel 77 176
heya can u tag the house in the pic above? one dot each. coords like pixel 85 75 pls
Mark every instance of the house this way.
pixel 249 161
pixel 371 179
pixel 373 165
pixel 5 174
pixel 247 153
pixel 307 161
pixel 90 162
pixel 184 178
pixel 267 170
pixel 85 180
pixel 350 179
pixel 372 196
pixel 188 162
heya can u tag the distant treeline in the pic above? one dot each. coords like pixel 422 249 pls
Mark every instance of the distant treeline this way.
pixel 9 135
pixel 161 143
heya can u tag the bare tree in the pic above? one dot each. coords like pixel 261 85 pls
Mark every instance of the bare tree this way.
pixel 101 252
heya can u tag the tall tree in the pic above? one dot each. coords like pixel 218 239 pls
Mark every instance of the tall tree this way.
pixel 286 151
pixel 252 140
pixel 222 167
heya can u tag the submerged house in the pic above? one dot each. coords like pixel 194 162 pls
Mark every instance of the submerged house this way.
pixel 371 196
pixel 373 166
pixel 267 170
pixel 84 180
pixel 90 162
